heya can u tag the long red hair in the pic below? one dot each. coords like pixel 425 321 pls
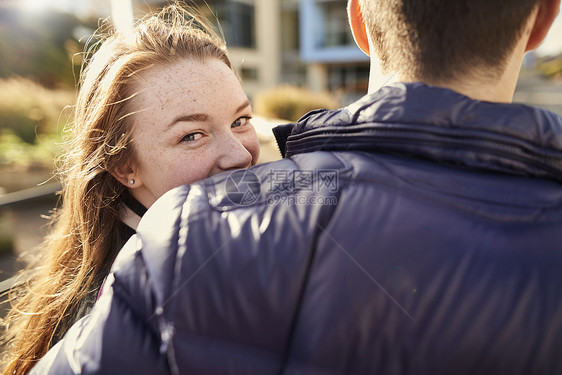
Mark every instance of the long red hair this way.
pixel 85 239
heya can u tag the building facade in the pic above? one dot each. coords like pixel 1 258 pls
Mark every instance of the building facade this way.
pixel 333 61
pixel 305 43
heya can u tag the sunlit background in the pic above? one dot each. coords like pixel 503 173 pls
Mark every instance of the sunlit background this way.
pixel 275 45
pixel 552 46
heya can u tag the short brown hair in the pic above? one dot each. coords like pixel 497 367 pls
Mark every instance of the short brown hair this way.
pixel 438 40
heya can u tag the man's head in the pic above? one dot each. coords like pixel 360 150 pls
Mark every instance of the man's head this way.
pixel 442 40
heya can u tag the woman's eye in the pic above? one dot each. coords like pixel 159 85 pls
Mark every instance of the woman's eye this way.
pixel 244 120
pixel 192 137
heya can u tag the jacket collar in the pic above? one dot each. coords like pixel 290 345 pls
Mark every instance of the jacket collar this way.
pixel 436 124
pixel 131 211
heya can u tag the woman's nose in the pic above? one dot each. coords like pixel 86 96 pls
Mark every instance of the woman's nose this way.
pixel 233 153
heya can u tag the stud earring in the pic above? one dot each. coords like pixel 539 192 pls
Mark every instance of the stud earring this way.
pixel 131 182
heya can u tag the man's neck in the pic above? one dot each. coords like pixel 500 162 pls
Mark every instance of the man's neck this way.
pixel 479 87
pixel 491 90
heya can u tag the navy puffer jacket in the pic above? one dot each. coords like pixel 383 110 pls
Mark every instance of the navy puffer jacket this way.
pixel 416 231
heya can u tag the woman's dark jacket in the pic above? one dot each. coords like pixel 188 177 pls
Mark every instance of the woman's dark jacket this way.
pixel 416 231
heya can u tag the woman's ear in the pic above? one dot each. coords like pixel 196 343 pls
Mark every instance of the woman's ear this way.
pixel 127 176
pixel 546 14
pixel 357 24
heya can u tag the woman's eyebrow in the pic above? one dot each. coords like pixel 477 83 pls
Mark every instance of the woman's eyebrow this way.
pixel 195 117
pixel 242 106
pixel 202 117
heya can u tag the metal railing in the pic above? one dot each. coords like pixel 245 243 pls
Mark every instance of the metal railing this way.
pixel 30 194
pixel 19 197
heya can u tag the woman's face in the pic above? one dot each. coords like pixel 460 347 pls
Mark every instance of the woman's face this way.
pixel 191 121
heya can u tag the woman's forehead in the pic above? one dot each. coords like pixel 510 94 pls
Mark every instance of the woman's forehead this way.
pixel 187 74
pixel 185 87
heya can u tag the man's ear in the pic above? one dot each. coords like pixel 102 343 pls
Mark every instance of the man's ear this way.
pixel 546 14
pixel 126 175
pixel 358 29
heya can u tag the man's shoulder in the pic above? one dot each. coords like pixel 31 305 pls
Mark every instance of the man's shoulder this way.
pixel 249 189
pixel 243 190
pixel 222 212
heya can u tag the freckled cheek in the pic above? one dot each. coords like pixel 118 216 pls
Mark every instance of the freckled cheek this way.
pixel 188 173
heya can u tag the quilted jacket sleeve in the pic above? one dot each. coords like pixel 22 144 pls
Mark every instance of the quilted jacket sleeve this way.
pixel 121 335
pixel 116 338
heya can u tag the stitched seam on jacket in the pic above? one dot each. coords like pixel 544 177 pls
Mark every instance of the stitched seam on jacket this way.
pixel 287 356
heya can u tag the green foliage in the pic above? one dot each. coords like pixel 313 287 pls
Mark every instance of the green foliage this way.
pixel 31 119
pixel 28 108
pixel 15 152
pixel 39 46
pixel 290 103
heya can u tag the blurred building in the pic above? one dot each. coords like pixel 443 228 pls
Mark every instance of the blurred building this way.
pixel 305 43
pixel 327 49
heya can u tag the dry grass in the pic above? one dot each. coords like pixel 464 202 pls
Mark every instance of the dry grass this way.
pixel 290 103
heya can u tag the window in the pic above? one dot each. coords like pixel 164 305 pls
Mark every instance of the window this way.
pixel 349 78
pixel 249 74
pixel 238 22
pixel 336 27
